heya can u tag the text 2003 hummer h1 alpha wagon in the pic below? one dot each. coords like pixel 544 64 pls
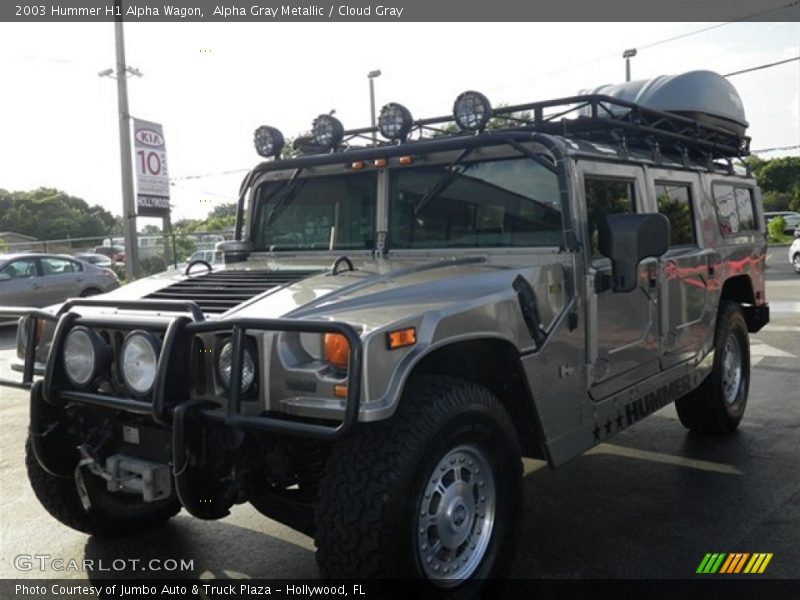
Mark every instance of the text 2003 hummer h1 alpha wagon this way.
pixel 397 323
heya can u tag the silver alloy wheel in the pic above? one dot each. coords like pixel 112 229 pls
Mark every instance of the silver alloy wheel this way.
pixel 456 516
pixel 731 369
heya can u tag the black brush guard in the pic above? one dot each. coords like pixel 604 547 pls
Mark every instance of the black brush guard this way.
pixel 160 409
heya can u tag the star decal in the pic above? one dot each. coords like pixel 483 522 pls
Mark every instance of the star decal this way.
pixel 609 422
pixel 619 421
pixel 596 432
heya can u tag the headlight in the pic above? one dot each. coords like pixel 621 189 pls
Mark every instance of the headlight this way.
pixel 139 360
pixel 225 364
pixel 472 111
pixel 85 355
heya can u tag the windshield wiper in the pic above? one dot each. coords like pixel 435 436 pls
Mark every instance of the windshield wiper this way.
pixel 445 181
pixel 287 194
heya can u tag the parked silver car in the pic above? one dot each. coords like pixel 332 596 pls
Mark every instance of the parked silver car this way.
pixel 99 260
pixel 44 279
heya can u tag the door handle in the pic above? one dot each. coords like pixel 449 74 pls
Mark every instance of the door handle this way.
pixel 652 277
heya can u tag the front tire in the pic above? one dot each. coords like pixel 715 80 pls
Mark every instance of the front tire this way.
pixel 111 514
pixel 434 493
pixel 717 406
pixel 796 263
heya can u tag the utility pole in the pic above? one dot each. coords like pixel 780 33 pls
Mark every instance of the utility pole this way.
pixel 372 75
pixel 627 55
pixel 128 201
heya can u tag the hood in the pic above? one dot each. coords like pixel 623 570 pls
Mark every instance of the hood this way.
pixel 377 291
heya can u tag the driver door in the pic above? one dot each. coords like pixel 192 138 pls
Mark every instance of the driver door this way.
pixel 622 334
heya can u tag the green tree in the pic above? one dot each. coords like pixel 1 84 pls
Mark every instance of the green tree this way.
pixel 48 213
pixel 779 180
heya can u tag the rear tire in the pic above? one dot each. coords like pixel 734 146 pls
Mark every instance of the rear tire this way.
pixel 444 472
pixel 718 405
pixel 796 263
pixel 90 292
pixel 111 514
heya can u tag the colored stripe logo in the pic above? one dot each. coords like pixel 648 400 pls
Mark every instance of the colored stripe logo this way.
pixel 734 563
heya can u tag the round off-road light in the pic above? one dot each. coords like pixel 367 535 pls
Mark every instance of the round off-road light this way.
pixel 139 360
pixel 327 131
pixel 268 141
pixel 472 111
pixel 395 121
pixel 225 366
pixel 85 354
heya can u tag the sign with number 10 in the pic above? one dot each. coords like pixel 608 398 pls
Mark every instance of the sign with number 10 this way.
pixel 150 163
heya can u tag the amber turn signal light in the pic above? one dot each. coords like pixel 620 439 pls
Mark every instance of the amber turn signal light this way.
pixel 337 350
pixel 405 160
pixel 401 338
pixel 380 162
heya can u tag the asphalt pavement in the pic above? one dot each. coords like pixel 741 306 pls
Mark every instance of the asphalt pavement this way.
pixel 649 504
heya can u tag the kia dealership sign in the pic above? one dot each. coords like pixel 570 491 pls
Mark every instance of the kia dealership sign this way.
pixel 150 164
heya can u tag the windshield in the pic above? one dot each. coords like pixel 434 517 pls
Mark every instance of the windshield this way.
pixel 321 213
pixel 509 202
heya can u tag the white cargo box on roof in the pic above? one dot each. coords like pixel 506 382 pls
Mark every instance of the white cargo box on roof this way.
pixel 701 95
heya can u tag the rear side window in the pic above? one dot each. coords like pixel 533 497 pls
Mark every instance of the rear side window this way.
pixel 606 197
pixel 675 202
pixel 59 266
pixel 734 208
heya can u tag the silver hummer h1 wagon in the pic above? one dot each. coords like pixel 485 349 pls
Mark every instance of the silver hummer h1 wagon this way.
pixel 397 322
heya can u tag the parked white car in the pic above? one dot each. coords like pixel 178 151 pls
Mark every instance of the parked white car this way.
pixel 794 255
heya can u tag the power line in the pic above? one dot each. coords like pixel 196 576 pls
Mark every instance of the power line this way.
pixel 651 44
pixel 775 149
pixel 204 175
pixel 718 25
pixel 759 67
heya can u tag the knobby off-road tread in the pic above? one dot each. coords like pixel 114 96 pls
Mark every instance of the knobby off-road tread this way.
pixel 368 468
pixel 59 496
pixel 703 410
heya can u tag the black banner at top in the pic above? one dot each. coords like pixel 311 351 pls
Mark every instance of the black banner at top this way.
pixel 397 10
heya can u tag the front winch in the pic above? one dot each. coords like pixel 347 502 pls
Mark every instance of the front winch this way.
pixel 152 480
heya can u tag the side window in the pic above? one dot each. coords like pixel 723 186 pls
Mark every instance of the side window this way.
pixel 734 208
pixel 57 266
pixel 675 202
pixel 24 268
pixel 744 204
pixel 606 197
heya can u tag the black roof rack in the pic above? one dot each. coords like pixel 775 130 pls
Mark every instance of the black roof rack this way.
pixel 596 118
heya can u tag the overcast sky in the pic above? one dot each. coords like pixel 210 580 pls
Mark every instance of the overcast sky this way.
pixel 211 85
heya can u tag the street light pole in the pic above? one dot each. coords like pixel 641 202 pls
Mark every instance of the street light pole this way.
pixel 128 203
pixel 627 55
pixel 372 75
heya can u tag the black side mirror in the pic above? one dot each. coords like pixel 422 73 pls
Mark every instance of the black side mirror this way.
pixel 627 239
